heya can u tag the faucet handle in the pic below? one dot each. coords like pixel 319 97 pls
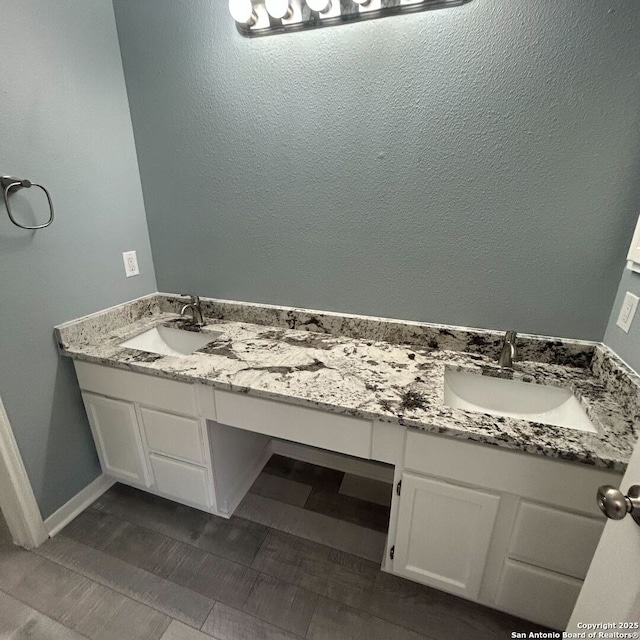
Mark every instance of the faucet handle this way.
pixel 193 299
pixel 510 336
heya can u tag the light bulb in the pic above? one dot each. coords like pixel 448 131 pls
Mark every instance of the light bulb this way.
pixel 322 6
pixel 242 12
pixel 280 9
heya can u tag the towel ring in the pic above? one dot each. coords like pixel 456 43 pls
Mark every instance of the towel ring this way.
pixel 9 183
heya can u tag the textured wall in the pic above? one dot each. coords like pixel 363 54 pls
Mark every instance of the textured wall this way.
pixel 474 166
pixel 65 122
pixel 626 345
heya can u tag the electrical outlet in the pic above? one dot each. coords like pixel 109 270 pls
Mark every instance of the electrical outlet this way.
pixel 627 312
pixel 130 263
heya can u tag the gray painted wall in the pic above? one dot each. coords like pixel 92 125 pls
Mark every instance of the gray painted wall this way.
pixel 626 345
pixel 65 122
pixel 474 166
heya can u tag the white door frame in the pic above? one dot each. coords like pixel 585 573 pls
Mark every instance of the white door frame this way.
pixel 17 501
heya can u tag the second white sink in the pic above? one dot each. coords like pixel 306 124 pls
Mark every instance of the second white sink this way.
pixel 170 342
pixel 515 399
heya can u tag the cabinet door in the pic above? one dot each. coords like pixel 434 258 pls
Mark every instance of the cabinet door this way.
pixel 443 534
pixel 117 437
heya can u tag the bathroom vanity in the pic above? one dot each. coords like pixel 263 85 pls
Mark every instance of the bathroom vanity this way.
pixel 493 508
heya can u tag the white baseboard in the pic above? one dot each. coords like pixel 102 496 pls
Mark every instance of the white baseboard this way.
pixel 67 512
pixel 331 460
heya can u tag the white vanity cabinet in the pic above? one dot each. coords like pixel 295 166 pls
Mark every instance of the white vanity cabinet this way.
pixel 151 449
pixel 509 530
pixel 506 529
pixel 159 435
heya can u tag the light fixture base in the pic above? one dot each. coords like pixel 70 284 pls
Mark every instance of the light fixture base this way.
pixel 307 18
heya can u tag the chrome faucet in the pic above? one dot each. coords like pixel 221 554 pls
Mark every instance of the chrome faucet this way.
pixel 508 352
pixel 195 308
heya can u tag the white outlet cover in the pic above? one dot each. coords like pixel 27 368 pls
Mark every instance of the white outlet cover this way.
pixel 130 264
pixel 628 311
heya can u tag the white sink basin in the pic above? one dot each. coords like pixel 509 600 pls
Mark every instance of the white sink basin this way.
pixel 170 342
pixel 515 399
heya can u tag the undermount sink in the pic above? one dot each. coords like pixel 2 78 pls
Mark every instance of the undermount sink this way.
pixel 515 399
pixel 170 342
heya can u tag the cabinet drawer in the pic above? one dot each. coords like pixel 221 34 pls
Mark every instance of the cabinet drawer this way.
pixel 554 539
pixel 536 594
pixel 137 387
pixel 173 435
pixel 185 482
pixel 308 426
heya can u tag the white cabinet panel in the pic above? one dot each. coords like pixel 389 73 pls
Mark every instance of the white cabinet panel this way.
pixel 538 478
pixel 186 482
pixel 322 429
pixel 443 535
pixel 538 595
pixel 172 435
pixel 170 395
pixel 115 430
pixel 554 539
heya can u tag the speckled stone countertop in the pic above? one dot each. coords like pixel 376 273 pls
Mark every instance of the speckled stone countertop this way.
pixel 323 365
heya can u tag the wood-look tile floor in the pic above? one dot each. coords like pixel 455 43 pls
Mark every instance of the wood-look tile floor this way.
pixel 299 560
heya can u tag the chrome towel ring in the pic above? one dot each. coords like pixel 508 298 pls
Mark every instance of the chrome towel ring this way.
pixel 8 183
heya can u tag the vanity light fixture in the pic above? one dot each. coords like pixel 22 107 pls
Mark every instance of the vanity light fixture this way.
pixel 242 12
pixel 279 9
pixel 269 17
pixel 321 6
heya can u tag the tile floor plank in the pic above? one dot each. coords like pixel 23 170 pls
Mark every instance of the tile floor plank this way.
pixel 147 549
pixel 367 489
pixel 215 577
pixel 281 604
pixel 19 622
pixel 317 527
pixel 305 473
pixel 179 631
pixel 348 509
pixel 438 614
pixel 282 489
pixel 152 512
pixel 94 528
pixel 77 602
pixel 318 568
pixel 226 623
pixel 164 596
pixel 235 539
pixel 332 620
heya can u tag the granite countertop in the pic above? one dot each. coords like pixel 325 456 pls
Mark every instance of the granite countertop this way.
pixel 371 379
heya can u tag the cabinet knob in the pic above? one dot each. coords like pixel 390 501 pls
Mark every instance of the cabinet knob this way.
pixel 615 505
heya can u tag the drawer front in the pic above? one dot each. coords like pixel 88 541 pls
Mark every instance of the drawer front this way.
pixel 137 387
pixel 538 595
pixel 554 539
pixel 185 482
pixel 308 426
pixel 172 435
